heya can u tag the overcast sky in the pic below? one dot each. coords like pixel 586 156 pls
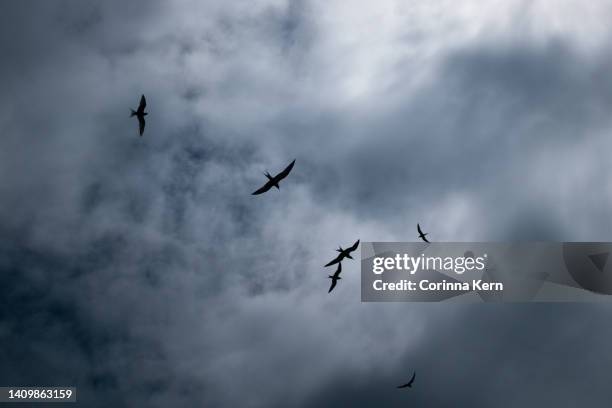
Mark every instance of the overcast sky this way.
pixel 143 272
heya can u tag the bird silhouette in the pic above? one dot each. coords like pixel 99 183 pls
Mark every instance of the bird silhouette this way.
pixel 344 253
pixel 140 114
pixel 273 181
pixel 409 383
pixel 335 277
pixel 421 234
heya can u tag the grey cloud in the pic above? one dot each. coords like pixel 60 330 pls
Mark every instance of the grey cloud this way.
pixel 143 272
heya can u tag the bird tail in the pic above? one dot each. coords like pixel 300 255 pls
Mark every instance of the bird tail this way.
pixel 133 113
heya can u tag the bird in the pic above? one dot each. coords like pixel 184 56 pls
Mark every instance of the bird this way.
pixel 273 181
pixel 409 383
pixel 344 253
pixel 335 277
pixel 421 234
pixel 140 114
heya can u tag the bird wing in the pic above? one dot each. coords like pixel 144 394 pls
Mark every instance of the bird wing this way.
pixel 354 247
pixel 333 285
pixel 337 273
pixel 141 124
pixel 419 229
pixel 336 260
pixel 424 239
pixel 285 172
pixel 142 105
pixel 409 383
pixel 263 189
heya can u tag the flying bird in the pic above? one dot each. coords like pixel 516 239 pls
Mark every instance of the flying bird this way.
pixel 273 181
pixel 335 277
pixel 409 383
pixel 344 253
pixel 140 114
pixel 421 234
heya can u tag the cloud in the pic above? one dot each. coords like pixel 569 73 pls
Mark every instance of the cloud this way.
pixel 142 271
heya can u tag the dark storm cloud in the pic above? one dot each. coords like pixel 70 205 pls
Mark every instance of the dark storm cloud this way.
pixel 143 272
pixel 491 119
pixel 478 362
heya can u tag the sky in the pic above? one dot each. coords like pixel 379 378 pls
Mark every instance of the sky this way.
pixel 143 271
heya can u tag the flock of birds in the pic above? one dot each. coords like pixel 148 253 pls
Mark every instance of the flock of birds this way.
pixel 273 181
pixel 346 253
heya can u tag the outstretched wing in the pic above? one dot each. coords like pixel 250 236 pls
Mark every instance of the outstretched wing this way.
pixel 143 104
pixel 335 261
pixel 409 383
pixel 354 247
pixel 141 124
pixel 333 285
pixel 337 273
pixel 424 239
pixel 285 172
pixel 263 189
pixel 419 229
